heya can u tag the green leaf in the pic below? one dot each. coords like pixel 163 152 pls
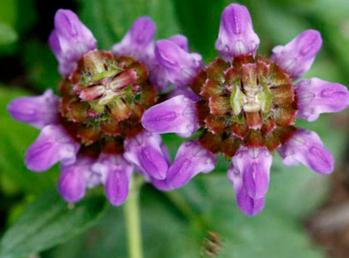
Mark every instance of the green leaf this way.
pixel 200 23
pixel 49 221
pixel 8 12
pixel 29 15
pixel 16 137
pixel 164 233
pixel 41 65
pixel 168 231
pixel 7 34
pixel 109 20
pixel 266 235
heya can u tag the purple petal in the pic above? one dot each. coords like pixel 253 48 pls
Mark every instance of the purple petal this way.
pixel 70 40
pixel 236 35
pixel 161 185
pixel 180 41
pixel 139 41
pixel 307 148
pixel 176 115
pixel 181 67
pixel 52 145
pixel 116 173
pixel 158 77
pixel 74 178
pixel 191 159
pixel 53 41
pixel 297 56
pixel 117 186
pixel 37 111
pixel 166 153
pixel 254 166
pixel 245 202
pixel 144 151
pixel 157 74
pixel 316 96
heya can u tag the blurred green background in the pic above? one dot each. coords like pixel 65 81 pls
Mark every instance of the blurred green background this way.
pixel 35 222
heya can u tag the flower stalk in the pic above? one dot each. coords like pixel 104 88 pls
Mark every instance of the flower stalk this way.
pixel 132 219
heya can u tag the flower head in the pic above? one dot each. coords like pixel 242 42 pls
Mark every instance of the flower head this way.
pixel 247 106
pixel 93 128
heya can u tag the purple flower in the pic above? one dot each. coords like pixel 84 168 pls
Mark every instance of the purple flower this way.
pixel 249 174
pixel 70 40
pixel 298 55
pixel 180 41
pixel 306 147
pixel 246 203
pixel 162 184
pixel 93 128
pixel 52 145
pixel 316 96
pixel 176 115
pixel 191 159
pixel 181 67
pixel 116 174
pixel 36 111
pixel 74 179
pixel 236 35
pixel 245 107
pixel 253 164
pixel 145 152
pixel 139 43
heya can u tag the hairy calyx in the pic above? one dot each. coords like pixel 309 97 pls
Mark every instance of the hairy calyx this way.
pixel 250 101
pixel 103 100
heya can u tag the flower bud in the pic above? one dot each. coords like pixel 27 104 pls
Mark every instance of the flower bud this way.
pixel 236 35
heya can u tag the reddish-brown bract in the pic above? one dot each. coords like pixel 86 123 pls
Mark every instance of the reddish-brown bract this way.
pixel 103 100
pixel 225 129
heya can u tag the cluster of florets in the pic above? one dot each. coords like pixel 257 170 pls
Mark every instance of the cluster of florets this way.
pixel 250 101
pixel 104 99
pixel 108 120
pixel 94 128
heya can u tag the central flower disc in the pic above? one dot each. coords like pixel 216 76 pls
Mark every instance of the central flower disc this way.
pixel 103 100
pixel 251 102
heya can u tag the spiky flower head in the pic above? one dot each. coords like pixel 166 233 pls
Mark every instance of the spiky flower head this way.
pixel 245 106
pixel 94 127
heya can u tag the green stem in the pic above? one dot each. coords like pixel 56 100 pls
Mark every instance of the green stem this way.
pixel 132 219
